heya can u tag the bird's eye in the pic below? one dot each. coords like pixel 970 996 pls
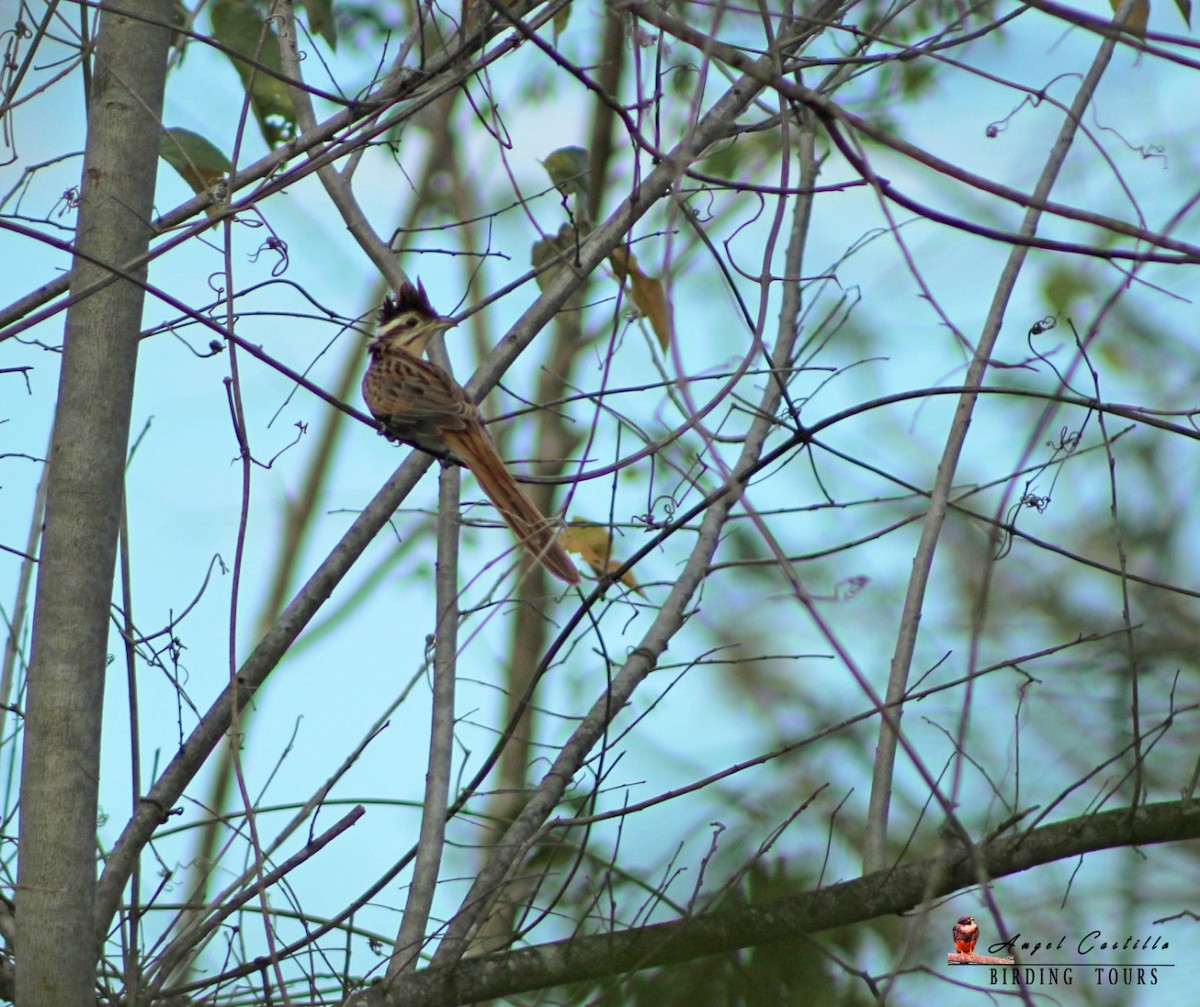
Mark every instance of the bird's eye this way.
pixel 411 322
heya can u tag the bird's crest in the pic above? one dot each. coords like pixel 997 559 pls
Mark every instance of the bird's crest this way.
pixel 409 298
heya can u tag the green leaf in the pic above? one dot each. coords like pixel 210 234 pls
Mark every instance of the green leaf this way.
pixel 1185 9
pixel 320 20
pixel 240 28
pixel 568 170
pixel 203 166
pixel 563 18
pixel 197 159
pixel 179 19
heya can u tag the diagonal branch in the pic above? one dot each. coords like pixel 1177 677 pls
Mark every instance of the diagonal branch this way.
pixel 875 841
pixel 719 119
pixel 883 893
pixel 716 124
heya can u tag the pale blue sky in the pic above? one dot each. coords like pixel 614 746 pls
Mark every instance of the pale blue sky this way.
pixel 185 487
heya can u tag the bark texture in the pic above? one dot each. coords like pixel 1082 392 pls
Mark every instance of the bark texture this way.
pixel 56 945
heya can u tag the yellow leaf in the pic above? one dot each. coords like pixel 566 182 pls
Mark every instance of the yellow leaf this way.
pixel 647 294
pixel 593 544
pixel 1138 17
pixel 551 248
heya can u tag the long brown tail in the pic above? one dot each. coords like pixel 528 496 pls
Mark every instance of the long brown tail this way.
pixel 531 527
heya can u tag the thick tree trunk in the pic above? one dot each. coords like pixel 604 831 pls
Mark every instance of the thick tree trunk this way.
pixel 56 944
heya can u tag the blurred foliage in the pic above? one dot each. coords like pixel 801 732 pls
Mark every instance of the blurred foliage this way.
pixel 793 971
pixel 240 28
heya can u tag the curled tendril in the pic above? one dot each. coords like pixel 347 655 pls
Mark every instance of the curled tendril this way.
pixel 69 201
pixel 650 521
pixel 277 245
pixel 1068 441
pixel 846 589
pixel 1043 325
pixel 1035 502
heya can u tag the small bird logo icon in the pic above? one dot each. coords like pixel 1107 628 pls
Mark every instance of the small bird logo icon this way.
pixel 965 933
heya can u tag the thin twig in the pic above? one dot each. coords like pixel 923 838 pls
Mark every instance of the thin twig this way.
pixel 410 938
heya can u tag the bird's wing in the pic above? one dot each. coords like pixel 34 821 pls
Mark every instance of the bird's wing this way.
pixel 416 401
pixel 399 384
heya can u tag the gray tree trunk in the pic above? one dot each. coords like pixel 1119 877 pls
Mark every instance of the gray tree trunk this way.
pixel 56 944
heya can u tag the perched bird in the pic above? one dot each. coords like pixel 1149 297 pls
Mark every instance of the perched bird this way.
pixel 965 933
pixel 418 403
